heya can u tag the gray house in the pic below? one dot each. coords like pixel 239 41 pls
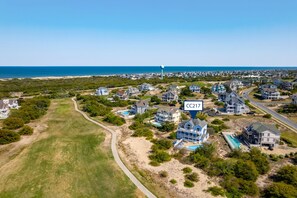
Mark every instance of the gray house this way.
pixel 170 96
pixel 234 85
pixel 146 87
pixel 235 104
pixel 6 105
pixel 140 107
pixel 102 91
pixel 193 130
pixel 132 91
pixel 260 134
pixel 270 93
pixel 294 99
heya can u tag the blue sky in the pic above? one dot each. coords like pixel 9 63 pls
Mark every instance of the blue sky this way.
pixel 189 32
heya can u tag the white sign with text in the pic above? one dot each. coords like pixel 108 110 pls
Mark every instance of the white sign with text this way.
pixel 193 105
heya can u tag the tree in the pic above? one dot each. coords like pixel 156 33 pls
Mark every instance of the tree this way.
pixel 206 150
pixel 186 92
pixel 155 99
pixel 246 170
pixel 13 123
pixel 260 160
pixel 167 127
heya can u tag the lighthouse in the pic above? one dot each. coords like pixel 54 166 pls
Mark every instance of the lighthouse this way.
pixel 162 71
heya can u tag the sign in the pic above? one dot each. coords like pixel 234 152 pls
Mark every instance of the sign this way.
pixel 193 106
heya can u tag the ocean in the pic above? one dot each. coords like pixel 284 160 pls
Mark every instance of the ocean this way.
pixel 60 71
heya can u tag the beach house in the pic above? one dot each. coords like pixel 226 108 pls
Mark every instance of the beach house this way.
pixel 260 134
pixel 6 105
pixel 218 88
pixel 140 107
pixel 122 95
pixel 193 130
pixel 146 87
pixel 195 88
pixel 173 88
pixel 132 91
pixel 235 104
pixel 102 91
pixel 168 114
pixel 270 93
pixel 234 85
pixel 170 96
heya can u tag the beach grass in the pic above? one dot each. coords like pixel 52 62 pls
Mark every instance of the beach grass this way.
pixel 290 138
pixel 69 160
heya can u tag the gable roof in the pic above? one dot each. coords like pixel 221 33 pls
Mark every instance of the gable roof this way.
pixel 194 122
pixel 141 103
pixel 261 127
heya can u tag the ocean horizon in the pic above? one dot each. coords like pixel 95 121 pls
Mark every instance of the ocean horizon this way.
pixel 63 71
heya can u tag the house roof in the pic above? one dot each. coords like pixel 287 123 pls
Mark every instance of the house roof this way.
pixel 5 102
pixel 270 90
pixel 168 109
pixel 261 127
pixel 195 122
pixel 141 103
pixel 169 92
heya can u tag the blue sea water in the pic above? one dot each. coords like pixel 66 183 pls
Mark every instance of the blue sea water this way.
pixel 48 71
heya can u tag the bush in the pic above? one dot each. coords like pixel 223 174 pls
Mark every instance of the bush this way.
pixel 236 187
pixel 288 175
pixel 206 150
pixel 246 170
pixel 113 119
pixel 226 119
pixel 96 109
pixel 160 156
pixel 220 104
pixel 193 177
pixel 167 127
pixel 172 135
pixel 201 116
pixel 221 167
pixel 217 122
pixel 154 163
pixel 155 99
pixel 267 116
pixel 161 144
pixel 144 132
pixel 7 136
pixel 280 190
pixel 173 181
pixel 163 173
pixel 26 130
pixel 188 184
pixel 216 191
pixel 187 170
pixel 13 123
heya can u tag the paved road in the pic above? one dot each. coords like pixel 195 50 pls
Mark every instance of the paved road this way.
pixel 276 115
pixel 116 156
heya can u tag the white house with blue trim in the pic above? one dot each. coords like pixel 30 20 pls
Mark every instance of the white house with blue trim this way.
pixel 102 91
pixel 193 130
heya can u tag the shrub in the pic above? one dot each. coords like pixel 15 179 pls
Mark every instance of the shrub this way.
pixel 287 174
pixel 193 177
pixel 144 132
pixel 226 119
pixel 217 122
pixel 221 167
pixel 267 116
pixel 187 170
pixel 160 156
pixel 280 190
pixel 163 173
pixel 246 170
pixel 167 127
pixel 7 136
pixel 236 187
pixel 161 144
pixel 172 135
pixel 96 109
pixel 26 130
pixel 13 123
pixel 216 191
pixel 201 116
pixel 113 119
pixel 173 181
pixel 260 160
pixel 188 184
pixel 206 150
pixel 154 163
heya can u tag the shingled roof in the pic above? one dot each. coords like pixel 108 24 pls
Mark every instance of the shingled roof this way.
pixel 261 127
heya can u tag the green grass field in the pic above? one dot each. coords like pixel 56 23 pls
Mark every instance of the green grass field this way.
pixel 290 137
pixel 68 161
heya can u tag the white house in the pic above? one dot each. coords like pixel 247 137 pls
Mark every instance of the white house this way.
pixel 193 130
pixel 234 85
pixel 132 91
pixel 260 134
pixel 270 93
pixel 235 104
pixel 294 99
pixel 194 88
pixel 6 105
pixel 140 107
pixel 102 91
pixel 174 88
pixel 146 87
pixel 168 114
pixel 122 95
pixel 170 96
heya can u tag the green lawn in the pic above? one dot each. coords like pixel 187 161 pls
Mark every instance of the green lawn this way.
pixel 69 161
pixel 290 137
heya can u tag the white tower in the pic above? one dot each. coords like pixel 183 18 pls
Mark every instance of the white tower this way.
pixel 162 71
